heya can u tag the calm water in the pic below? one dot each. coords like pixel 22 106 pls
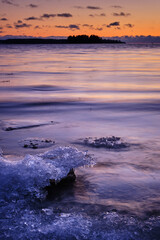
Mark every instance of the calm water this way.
pixel 66 93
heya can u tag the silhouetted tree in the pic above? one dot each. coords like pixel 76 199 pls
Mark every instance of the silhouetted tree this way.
pixel 84 39
pixel 95 39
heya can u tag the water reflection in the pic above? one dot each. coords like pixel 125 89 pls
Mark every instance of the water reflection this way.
pixel 90 91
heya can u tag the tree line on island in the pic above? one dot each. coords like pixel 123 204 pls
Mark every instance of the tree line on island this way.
pixel 90 39
pixel 79 39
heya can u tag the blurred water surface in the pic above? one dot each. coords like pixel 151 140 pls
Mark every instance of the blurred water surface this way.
pixel 70 92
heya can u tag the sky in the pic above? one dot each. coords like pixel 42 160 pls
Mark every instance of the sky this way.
pixel 105 18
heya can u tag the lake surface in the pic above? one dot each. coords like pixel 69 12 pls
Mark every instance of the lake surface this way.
pixel 58 95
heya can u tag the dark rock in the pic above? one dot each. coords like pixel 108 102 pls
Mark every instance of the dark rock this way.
pixel 56 187
pixel 25 146
pixel 34 147
pixel 35 143
pixel 9 129
pixel 48 141
pixel 106 142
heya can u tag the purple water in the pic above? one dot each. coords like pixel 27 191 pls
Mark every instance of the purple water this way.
pixel 66 93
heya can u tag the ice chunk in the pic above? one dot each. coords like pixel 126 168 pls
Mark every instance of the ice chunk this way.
pixel 34 172
pixel 67 157
pixel 23 217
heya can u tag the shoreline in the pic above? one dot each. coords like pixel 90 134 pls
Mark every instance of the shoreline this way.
pixel 56 41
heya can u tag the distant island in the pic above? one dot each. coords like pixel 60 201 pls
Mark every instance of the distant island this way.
pixel 79 39
pixel 90 39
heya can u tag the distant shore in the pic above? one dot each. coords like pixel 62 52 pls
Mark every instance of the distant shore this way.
pixel 59 41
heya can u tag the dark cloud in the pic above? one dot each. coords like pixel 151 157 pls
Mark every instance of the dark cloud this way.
pixel 1 31
pixel 87 25
pixel 99 29
pixel 32 18
pixel 129 25
pixel 67 15
pixel 3 19
pixel 1 28
pixel 19 21
pixel 8 26
pixel 9 2
pixel 116 6
pixel 91 27
pixel 121 14
pixel 93 7
pixel 37 27
pixel 78 7
pixel 88 7
pixel 60 26
pixel 113 24
pixel 74 26
pixel 22 25
pixel 46 15
pixel 71 26
pixel 97 15
pixel 32 5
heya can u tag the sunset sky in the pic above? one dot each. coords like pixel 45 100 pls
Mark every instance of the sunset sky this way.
pixel 71 17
